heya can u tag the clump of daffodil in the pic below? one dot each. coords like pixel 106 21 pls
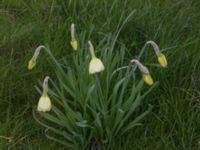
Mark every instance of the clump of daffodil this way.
pixel 44 103
pixel 32 61
pixel 73 42
pixel 96 64
pixel 161 57
pixel 145 72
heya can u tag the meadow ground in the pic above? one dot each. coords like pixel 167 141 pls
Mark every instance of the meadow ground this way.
pixel 174 123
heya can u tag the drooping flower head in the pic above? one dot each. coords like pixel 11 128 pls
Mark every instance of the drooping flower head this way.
pixel 96 64
pixel 33 60
pixel 44 103
pixel 73 42
pixel 145 72
pixel 161 57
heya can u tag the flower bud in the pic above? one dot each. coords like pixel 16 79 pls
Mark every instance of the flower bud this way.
pixel 44 103
pixel 96 64
pixel 161 57
pixel 73 42
pixel 145 72
pixel 162 60
pixel 32 62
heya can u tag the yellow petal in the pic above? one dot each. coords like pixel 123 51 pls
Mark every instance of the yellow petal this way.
pixel 44 104
pixel 31 64
pixel 148 79
pixel 162 60
pixel 74 44
pixel 95 66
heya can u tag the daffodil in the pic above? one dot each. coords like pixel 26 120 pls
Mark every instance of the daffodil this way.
pixel 32 63
pixel 96 64
pixel 162 60
pixel 148 79
pixel 145 72
pixel 44 103
pixel 161 57
pixel 73 42
pixel 33 60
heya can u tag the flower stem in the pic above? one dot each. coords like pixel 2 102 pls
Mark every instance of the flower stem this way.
pixel 45 86
pixel 91 48
pixel 155 47
pixel 73 31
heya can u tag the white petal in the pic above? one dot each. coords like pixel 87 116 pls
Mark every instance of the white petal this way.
pixel 44 104
pixel 95 66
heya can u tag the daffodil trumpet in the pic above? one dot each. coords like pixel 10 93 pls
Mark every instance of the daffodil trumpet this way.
pixel 73 42
pixel 96 64
pixel 161 57
pixel 33 60
pixel 145 72
pixel 44 104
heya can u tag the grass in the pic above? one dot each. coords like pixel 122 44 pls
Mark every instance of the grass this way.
pixel 174 25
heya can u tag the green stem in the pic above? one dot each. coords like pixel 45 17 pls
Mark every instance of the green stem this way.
pixel 73 32
pixel 91 48
pixel 100 91
pixel 45 86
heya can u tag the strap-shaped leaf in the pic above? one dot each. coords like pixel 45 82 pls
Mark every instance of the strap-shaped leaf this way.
pixel 53 119
pixel 55 60
pixel 134 91
pixel 115 90
pixel 135 122
pixel 89 94
pixel 68 121
pixel 135 104
pixel 57 131
pixel 68 90
pixel 67 144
